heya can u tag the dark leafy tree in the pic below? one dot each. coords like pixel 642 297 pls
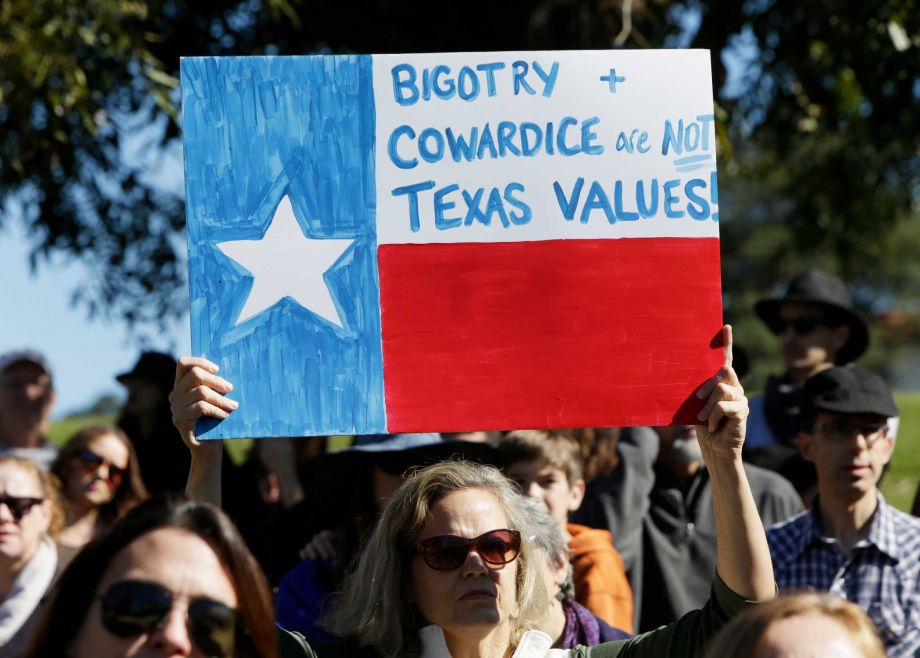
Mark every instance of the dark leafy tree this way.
pixel 817 104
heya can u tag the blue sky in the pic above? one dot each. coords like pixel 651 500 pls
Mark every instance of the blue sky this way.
pixel 85 354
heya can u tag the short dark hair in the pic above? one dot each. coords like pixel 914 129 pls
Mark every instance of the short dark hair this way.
pixel 556 448
pixel 73 594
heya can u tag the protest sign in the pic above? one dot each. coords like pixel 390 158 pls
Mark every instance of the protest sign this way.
pixel 449 242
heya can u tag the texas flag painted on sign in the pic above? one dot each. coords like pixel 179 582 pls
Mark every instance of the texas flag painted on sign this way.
pixel 453 242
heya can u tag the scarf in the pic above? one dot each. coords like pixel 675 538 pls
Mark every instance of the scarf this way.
pixel 580 626
pixel 17 611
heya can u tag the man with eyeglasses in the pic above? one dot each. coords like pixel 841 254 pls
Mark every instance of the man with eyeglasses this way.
pixel 817 328
pixel 26 399
pixel 851 543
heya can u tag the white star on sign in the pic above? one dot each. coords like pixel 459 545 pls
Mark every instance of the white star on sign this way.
pixel 286 263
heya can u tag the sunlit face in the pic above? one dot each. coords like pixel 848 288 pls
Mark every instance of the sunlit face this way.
pixel 475 597
pixel 20 539
pixel 549 485
pixel 811 635
pixel 26 398
pixel 848 461
pixel 815 349
pixel 93 484
pixel 179 561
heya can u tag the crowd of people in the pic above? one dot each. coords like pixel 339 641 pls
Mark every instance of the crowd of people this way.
pixel 760 531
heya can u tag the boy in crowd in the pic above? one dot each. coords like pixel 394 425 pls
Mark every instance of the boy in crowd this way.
pixel 852 543
pixel 547 466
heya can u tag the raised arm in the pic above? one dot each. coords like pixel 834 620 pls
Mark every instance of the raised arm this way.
pixel 743 557
pixel 199 392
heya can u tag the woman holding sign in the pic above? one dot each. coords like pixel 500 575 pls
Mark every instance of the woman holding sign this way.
pixel 450 571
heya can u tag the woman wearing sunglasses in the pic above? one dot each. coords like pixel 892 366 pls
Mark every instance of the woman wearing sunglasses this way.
pixel 171 578
pixel 100 480
pixel 29 517
pixel 450 571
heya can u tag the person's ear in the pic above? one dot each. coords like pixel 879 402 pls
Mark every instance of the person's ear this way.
pixel 839 336
pixel 806 443
pixel 887 447
pixel 576 494
pixel 44 511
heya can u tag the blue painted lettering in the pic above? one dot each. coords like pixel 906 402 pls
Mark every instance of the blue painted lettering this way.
pixel 441 205
pixel 490 69
pixel 394 154
pixel 597 200
pixel 568 206
pixel 549 79
pixel 412 192
pixel 670 199
pixel 525 215
pixel 520 74
pixel 404 77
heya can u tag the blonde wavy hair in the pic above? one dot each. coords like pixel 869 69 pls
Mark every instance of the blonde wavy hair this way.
pixel 50 488
pixel 742 636
pixel 373 606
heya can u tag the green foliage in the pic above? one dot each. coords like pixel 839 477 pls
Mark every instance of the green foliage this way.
pixel 60 431
pixel 900 483
pixel 819 131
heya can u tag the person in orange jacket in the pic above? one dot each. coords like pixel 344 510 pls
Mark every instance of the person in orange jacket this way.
pixel 547 465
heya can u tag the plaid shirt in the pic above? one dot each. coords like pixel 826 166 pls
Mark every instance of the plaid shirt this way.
pixel 881 575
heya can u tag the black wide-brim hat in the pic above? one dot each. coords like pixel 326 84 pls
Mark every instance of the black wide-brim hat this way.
pixel 155 367
pixel 817 287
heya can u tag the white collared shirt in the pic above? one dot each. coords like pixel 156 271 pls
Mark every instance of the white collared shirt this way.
pixel 534 644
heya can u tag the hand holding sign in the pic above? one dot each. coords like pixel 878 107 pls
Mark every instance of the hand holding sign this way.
pixel 725 413
pixel 198 392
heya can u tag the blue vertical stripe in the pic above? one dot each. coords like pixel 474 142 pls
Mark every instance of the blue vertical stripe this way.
pixel 256 129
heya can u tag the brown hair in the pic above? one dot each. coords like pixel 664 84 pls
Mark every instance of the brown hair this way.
pixel 557 448
pixel 743 634
pixel 373 606
pixel 72 596
pixel 129 493
pixel 598 450
pixel 50 491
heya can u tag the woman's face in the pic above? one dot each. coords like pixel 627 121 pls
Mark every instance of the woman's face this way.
pixel 20 537
pixel 180 563
pixel 475 595
pixel 97 471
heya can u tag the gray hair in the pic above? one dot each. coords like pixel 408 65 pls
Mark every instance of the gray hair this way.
pixel 373 606
pixel 547 536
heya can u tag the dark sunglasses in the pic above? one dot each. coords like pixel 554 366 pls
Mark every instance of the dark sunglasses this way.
pixel 800 326
pixel 19 507
pixel 90 462
pixel 446 552
pixel 134 607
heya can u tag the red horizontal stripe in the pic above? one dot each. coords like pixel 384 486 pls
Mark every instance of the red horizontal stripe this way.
pixel 560 333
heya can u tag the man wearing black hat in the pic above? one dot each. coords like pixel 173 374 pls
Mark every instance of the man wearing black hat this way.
pixel 817 328
pixel 851 543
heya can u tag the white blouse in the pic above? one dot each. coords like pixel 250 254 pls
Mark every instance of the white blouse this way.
pixel 534 644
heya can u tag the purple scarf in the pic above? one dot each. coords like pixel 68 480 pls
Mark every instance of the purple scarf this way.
pixel 581 627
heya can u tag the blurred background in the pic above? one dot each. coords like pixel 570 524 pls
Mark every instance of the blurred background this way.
pixel 817 104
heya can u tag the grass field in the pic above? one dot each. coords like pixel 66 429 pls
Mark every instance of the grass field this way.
pixel 898 487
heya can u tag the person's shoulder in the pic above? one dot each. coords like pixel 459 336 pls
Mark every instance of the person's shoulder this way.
pixel 906 529
pixel 794 524
pixel 585 539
